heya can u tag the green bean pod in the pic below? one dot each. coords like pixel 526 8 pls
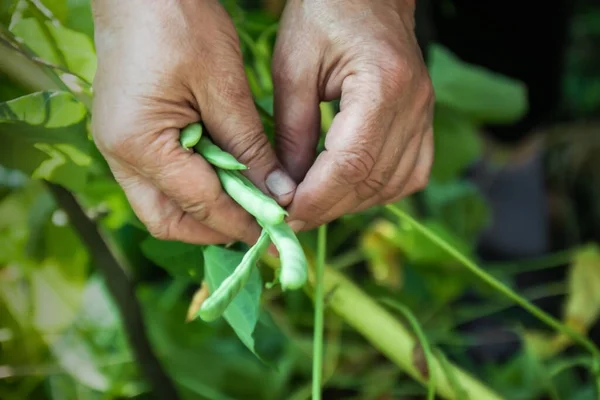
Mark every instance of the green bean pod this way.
pixel 217 157
pixel 216 304
pixel 293 274
pixel 262 207
pixel 190 135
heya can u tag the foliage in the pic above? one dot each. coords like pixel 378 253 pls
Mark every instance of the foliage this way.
pixel 62 337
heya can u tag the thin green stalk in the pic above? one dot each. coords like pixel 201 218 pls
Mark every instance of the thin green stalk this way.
pixel 347 259
pixel 460 392
pixel 319 313
pixel 416 327
pixel 541 292
pixel 506 291
pixel 579 361
pixel 546 262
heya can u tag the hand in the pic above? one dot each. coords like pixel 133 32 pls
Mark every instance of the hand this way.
pixel 161 66
pixel 380 146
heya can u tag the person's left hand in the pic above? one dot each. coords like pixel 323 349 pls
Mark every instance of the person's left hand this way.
pixel 379 148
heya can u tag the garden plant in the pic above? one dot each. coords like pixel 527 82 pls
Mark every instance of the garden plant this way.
pixel 94 307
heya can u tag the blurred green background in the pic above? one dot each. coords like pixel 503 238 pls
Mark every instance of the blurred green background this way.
pixel 92 307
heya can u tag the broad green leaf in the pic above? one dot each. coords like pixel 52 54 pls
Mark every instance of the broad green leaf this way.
pixel 179 259
pixel 59 45
pixel 208 360
pixel 55 8
pixel 243 312
pixel 460 206
pixel 50 109
pixel 45 135
pixel 106 196
pixel 80 17
pixel 457 144
pixel 481 94
pixel 6 9
pixel 419 249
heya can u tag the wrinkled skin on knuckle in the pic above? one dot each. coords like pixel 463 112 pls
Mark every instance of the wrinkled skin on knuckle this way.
pixel 391 192
pixel 160 230
pixel 353 166
pixel 374 185
pixel 161 158
pixel 311 211
pixel 250 148
pixel 291 138
pixel 199 209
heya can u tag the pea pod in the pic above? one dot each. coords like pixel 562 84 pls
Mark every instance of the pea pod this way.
pixel 216 304
pixel 190 135
pixel 262 207
pixel 293 274
pixel 217 157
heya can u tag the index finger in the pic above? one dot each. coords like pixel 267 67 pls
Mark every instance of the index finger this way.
pixel 352 147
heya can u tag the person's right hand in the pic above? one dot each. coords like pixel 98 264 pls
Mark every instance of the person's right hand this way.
pixel 161 66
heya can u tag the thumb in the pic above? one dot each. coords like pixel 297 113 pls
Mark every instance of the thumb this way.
pixel 297 118
pixel 229 114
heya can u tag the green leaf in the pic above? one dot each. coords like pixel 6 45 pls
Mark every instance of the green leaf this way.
pixel 106 196
pixel 208 359
pixel 57 8
pixel 419 249
pixel 80 17
pixel 482 94
pixel 95 336
pixel 45 135
pixel 52 109
pixel 6 10
pixel 179 259
pixel 460 206
pixel 59 45
pixel 457 144
pixel 243 312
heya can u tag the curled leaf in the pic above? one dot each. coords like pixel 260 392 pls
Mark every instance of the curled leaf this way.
pixel 582 307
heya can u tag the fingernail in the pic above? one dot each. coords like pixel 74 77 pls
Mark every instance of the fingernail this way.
pixel 297 225
pixel 279 183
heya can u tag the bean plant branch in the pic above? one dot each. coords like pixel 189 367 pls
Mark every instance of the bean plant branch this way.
pixel 506 291
pixel 386 333
pixel 319 313
pixel 122 290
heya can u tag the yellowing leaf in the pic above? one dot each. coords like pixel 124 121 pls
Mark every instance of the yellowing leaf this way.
pixel 544 344
pixel 383 256
pixel 583 303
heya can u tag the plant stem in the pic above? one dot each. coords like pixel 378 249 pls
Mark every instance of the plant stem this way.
pixel 359 311
pixel 319 314
pixel 412 320
pixel 348 259
pixel 505 290
pixel 546 262
pixel 122 290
